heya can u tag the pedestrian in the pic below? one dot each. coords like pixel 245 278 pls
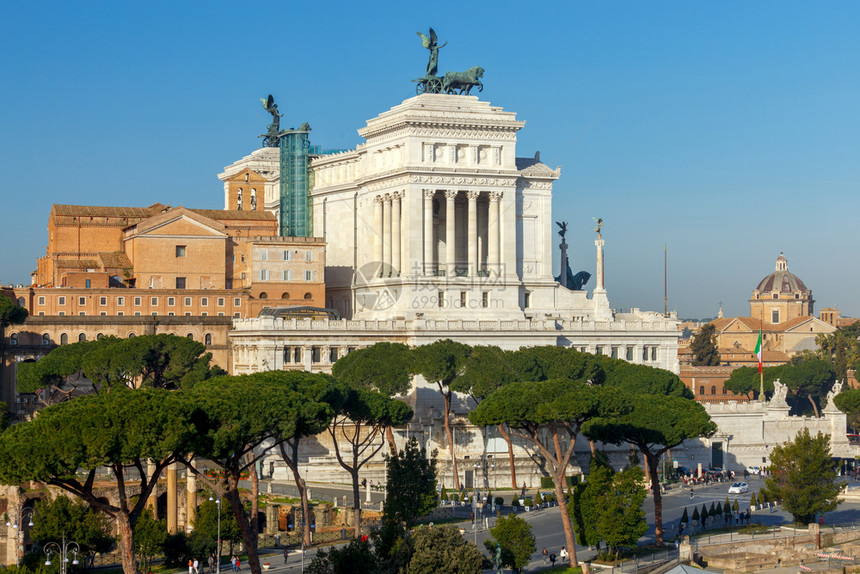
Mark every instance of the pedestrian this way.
pixel 363 482
pixel 190 567
pixel 552 559
pixel 545 554
pixel 691 493
pixel 238 564
pixel 286 553
pixel 563 554
pixel 524 490
pixel 211 563
pixel 196 566
pixel 233 561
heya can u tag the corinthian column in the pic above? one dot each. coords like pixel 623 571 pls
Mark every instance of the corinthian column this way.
pixel 395 233
pixel 377 230
pixel 428 231
pixel 472 244
pixel 493 233
pixel 386 234
pixel 450 251
pixel 599 244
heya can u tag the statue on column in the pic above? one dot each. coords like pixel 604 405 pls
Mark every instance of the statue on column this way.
pixel 272 137
pixel 571 281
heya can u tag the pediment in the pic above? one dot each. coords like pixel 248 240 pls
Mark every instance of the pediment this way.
pixel 811 325
pixel 180 222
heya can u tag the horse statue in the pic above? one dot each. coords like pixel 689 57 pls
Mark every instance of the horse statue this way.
pixel 463 81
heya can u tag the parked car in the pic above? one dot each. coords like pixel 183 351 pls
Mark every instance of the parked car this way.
pixel 753 469
pixel 739 488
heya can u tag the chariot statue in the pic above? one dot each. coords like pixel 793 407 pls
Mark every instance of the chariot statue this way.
pixel 272 136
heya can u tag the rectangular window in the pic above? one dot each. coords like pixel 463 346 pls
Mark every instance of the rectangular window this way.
pixel 462 299
pixel 220 301
pixel 441 299
pixel 644 353
pixel 485 299
pixel 61 313
pixel 82 313
pixel 229 284
pixel 629 354
pixel 332 354
pixel 61 300
pixel 82 300
pixel 180 251
pixel 774 316
pixel 315 354
pixel 41 313
pixel 614 353
pixel 236 315
pixel 137 301
pixel 243 275
pixel 180 282
pixel 309 275
pixel 137 313
pixel 153 301
pixel 653 353
pixel 527 300
pixel 188 301
pixel 188 313
pixel 120 301
pixel 287 275
pixel 204 301
pixel 288 256
pixel 237 302
pixel 171 301
pixel 297 354
pixel 41 300
pixel 154 313
pixel 220 313
pixel 204 314
pixel 103 301
pixel 598 350
pixel 264 254
pixel 264 274
pixel 309 256
pixel 288 352
pixel 120 314
pixel 171 314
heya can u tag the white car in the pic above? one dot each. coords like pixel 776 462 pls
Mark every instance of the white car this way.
pixel 739 488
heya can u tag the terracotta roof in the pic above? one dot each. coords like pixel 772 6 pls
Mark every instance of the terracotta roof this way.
pixel 753 324
pixel 232 214
pixel 104 211
pixel 114 259
pixel 78 264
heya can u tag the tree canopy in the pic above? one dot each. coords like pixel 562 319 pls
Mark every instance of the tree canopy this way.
pixel 803 478
pixel 514 536
pixel 704 347
pixel 411 489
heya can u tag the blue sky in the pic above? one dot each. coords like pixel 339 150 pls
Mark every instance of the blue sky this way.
pixel 727 130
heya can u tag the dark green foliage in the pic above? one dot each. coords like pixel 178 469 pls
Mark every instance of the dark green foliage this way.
pixel 385 367
pixel 435 549
pixel 753 501
pixel 515 537
pixel 841 349
pixel 685 518
pixel 735 506
pixel 727 507
pixel 10 313
pixel 444 495
pixel 745 381
pixel 206 524
pixel 515 501
pixel 357 557
pixel 411 491
pixel 546 482
pixel 176 551
pixel 713 511
pixel 149 538
pixel 703 515
pixel 696 515
pixel 704 347
pixel 78 521
pixel 608 507
pixel 848 401
pixel 802 477
pixel 485 370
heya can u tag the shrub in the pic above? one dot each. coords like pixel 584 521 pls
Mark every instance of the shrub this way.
pixel 546 482
pixel 528 502
pixel 735 506
pixel 752 499
pixel 500 501
pixel 456 497
pixel 516 501
pixel 444 494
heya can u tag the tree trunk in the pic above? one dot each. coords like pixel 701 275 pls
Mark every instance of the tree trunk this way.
pixel 651 464
pixel 293 464
pixel 356 501
pixel 255 495
pixel 126 543
pixel 559 479
pixel 447 398
pixel 392 446
pixel 249 538
pixel 510 444
pixel 814 406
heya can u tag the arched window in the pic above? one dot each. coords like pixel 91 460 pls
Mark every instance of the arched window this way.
pixel 64 339
pixel 132 334
pixel 82 337
pixel 13 339
pixel 702 390
pixel 99 336
pixel 46 339
pixel 190 336
pixel 285 295
pixel 207 339
pixel 308 296
pixel 22 302
pixel 713 389
pixel 725 391
pixel 264 295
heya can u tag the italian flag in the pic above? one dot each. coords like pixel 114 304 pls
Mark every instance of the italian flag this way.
pixel 758 351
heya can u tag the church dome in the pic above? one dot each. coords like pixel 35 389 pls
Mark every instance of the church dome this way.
pixel 782 280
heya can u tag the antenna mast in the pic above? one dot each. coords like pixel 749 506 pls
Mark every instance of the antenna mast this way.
pixel 665 283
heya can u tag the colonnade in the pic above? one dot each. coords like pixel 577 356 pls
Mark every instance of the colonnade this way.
pixel 390 228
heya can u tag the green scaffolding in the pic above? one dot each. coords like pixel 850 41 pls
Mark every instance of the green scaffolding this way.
pixel 297 214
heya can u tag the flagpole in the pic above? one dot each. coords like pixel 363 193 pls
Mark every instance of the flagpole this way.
pixel 761 351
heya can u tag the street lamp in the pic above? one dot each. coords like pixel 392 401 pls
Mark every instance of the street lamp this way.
pixel 218 543
pixel 18 525
pixel 63 551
